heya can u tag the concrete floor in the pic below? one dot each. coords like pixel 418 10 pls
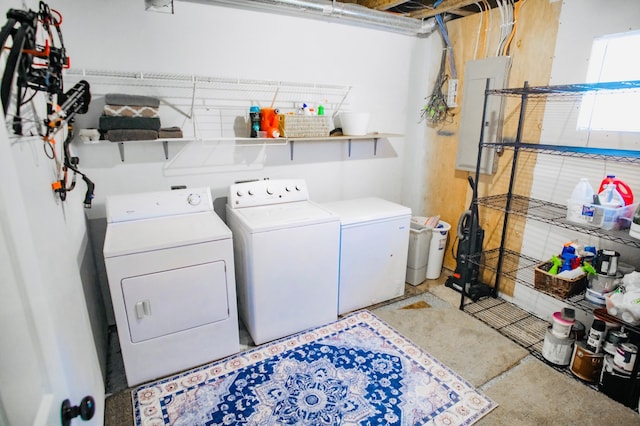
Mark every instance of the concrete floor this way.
pixel 528 390
pixel 494 357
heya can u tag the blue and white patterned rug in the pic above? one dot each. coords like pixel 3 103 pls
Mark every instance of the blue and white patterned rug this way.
pixel 355 371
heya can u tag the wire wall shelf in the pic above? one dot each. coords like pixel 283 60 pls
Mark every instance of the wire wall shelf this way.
pixel 568 89
pixel 617 155
pixel 553 214
pixel 520 268
pixel 209 107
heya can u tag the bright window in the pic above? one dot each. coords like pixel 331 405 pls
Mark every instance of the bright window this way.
pixel 613 58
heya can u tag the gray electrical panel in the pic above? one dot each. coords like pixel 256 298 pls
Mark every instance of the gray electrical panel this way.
pixel 476 74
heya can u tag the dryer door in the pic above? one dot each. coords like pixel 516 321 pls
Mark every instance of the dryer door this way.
pixel 167 302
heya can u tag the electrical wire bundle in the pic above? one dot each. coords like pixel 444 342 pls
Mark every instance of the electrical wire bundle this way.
pixel 435 109
pixel 509 10
pixel 506 24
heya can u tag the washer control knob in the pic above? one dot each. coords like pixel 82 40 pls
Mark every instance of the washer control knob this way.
pixel 239 193
pixel 298 188
pixel 250 192
pixel 194 199
pixel 287 188
pixel 269 191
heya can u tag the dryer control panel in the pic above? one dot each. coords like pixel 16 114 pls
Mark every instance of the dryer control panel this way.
pixel 146 205
pixel 267 192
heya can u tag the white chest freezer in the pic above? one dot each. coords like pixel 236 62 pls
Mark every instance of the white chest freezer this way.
pixel 374 242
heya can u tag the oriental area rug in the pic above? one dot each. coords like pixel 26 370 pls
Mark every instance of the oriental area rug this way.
pixel 355 371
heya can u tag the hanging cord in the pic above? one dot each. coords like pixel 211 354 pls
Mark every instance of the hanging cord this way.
pixel 475 51
pixel 516 11
pixel 488 22
pixel 447 42
pixel 506 23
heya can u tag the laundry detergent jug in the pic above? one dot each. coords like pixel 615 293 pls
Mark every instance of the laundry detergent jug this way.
pixel 623 189
pixel 269 122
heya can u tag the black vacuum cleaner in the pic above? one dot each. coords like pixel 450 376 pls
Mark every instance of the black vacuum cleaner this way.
pixel 470 239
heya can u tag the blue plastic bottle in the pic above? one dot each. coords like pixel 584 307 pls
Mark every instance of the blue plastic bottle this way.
pixel 254 115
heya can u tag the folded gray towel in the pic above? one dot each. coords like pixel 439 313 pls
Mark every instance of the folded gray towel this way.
pixel 147 123
pixel 170 132
pixel 123 135
pixel 135 100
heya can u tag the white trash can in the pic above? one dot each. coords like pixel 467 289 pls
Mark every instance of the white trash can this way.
pixel 419 240
pixel 436 250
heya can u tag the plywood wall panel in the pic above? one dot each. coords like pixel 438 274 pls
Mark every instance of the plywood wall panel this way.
pixel 532 50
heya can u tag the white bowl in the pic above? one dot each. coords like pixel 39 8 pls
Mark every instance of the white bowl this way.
pixel 354 123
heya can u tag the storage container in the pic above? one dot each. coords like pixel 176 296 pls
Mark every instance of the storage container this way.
pixel 554 285
pixel 436 250
pixel 419 242
pixel 613 218
pixel 354 123
pixel 303 126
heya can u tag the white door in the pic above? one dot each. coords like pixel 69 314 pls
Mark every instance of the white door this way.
pixel 47 354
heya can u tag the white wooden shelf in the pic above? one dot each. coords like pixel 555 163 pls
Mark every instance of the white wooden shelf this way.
pixel 244 141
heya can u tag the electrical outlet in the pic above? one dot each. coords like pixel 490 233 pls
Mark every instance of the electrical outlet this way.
pixel 452 92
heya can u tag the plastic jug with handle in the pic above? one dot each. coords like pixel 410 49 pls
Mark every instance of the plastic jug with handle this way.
pixel 623 189
pixel 269 122
pixel 610 197
pixel 581 195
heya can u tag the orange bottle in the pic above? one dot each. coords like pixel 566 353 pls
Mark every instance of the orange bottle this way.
pixel 621 187
pixel 269 122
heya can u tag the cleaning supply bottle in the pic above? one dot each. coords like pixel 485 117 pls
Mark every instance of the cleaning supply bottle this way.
pixel 623 189
pixel 610 197
pixel 583 191
pixel 254 115
pixel 581 195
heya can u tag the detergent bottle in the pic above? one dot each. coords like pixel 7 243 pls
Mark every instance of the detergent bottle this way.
pixel 269 122
pixel 623 189
pixel 610 197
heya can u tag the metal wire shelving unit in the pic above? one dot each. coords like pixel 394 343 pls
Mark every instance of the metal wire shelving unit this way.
pixel 531 208
pixel 511 265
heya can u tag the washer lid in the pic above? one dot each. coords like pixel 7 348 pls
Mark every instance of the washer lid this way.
pixel 287 215
pixel 366 210
pixel 138 236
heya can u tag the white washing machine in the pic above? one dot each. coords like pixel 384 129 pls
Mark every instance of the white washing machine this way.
pixel 374 246
pixel 169 261
pixel 286 252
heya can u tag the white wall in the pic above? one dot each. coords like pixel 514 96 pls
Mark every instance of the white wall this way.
pixel 52 267
pixel 225 42
pixel 390 75
pixel 383 68
pixel 555 176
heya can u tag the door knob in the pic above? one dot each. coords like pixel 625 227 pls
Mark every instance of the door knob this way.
pixel 85 410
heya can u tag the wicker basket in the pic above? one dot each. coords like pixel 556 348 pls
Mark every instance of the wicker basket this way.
pixel 555 286
pixel 303 126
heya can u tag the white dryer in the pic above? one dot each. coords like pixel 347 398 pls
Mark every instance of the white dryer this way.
pixel 286 252
pixel 169 261
pixel 374 246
